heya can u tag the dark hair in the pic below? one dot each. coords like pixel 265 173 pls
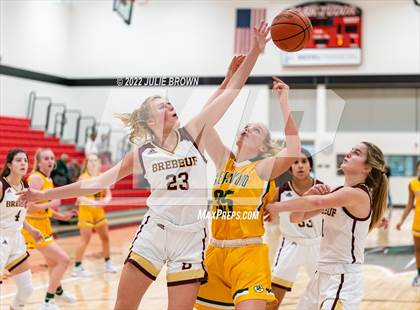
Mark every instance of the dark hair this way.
pixel 388 171
pixel 9 158
pixel 418 164
pixel 308 157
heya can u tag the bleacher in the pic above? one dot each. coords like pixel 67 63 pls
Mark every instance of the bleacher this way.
pixel 128 203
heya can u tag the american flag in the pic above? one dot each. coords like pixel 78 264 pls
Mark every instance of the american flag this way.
pixel 246 19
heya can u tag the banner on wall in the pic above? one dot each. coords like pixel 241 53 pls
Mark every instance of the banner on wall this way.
pixel 336 39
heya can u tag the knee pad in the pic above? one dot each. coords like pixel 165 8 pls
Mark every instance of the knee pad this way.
pixel 23 282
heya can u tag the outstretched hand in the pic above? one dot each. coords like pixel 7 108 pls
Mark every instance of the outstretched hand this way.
pixel 280 88
pixel 37 235
pixel 234 65
pixel 318 189
pixel 383 223
pixel 271 211
pixel 29 195
pixel 260 37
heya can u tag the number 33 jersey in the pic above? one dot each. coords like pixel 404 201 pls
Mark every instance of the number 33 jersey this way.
pixel 239 198
pixel 177 178
pixel 12 215
pixel 310 228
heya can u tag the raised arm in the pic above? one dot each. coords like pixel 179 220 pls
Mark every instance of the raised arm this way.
pixel 354 199
pixel 214 146
pixel 318 189
pixel 213 111
pixel 82 188
pixel 35 182
pixel 272 167
pixel 408 208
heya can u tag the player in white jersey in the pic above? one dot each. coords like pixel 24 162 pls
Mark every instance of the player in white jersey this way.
pixel 299 243
pixel 171 159
pixel 348 214
pixel 13 254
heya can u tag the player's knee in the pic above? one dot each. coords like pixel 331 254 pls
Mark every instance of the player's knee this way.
pixel 104 237
pixel 64 260
pixel 85 241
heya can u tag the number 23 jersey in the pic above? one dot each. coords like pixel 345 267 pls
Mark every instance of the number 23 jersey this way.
pixel 12 215
pixel 178 179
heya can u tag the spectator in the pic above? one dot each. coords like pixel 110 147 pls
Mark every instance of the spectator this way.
pixel 74 170
pixel 103 152
pixel 103 144
pixel 60 174
pixel 92 145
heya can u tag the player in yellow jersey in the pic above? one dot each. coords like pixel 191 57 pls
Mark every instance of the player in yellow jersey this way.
pixel 39 217
pixel 414 201
pixel 92 216
pixel 237 261
pixel 171 159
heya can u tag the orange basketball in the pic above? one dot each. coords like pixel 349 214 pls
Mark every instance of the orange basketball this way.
pixel 291 30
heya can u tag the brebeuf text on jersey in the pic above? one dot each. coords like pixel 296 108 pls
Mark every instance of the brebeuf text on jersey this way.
pixel 175 163
pixel 329 212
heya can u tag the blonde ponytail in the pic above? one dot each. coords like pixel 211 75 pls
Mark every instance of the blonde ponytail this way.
pixel 136 121
pixel 273 146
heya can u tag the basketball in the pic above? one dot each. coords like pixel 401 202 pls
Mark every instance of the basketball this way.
pixel 291 30
pixel 103 133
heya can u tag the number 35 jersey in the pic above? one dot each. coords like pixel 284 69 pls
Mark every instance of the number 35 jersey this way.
pixel 177 178
pixel 310 228
pixel 239 198
pixel 12 215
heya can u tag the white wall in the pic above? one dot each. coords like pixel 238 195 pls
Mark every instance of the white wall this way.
pixel 34 35
pixel 14 96
pixel 391 143
pixel 196 37
pixel 87 39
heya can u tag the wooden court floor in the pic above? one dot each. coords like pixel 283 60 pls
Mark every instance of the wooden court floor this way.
pixel 384 289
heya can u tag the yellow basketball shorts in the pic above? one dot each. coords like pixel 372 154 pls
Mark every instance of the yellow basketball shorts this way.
pixel 235 275
pixel 91 217
pixel 44 226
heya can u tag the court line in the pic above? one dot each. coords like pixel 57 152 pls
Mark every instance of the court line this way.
pixel 65 280
pixel 391 273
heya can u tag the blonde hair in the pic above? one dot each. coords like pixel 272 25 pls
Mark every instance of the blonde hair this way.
pixel 137 121
pixel 37 157
pixel 85 162
pixel 377 181
pixel 273 146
